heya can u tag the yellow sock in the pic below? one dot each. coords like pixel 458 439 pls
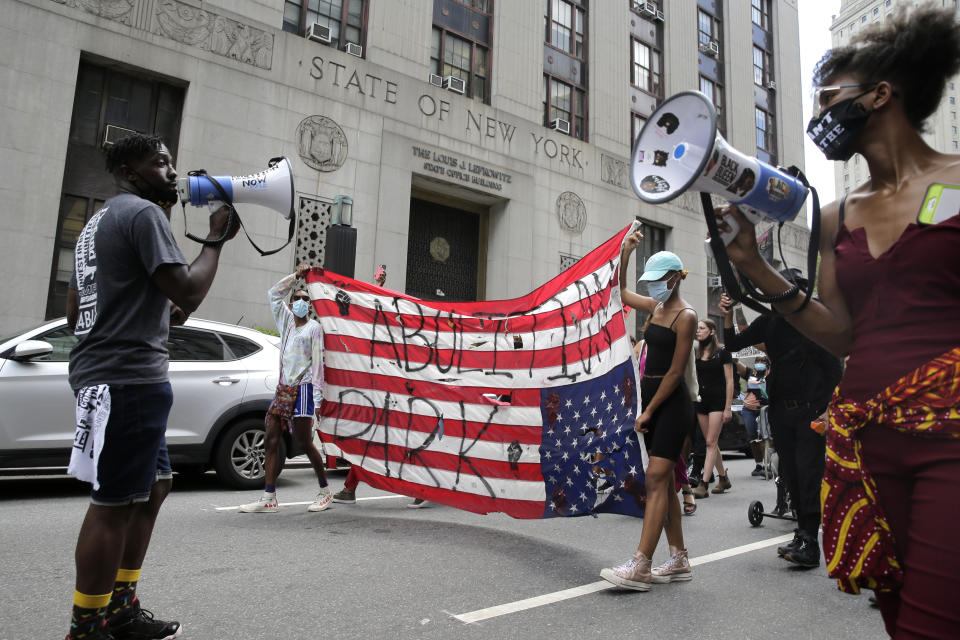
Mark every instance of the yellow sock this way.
pixel 88 614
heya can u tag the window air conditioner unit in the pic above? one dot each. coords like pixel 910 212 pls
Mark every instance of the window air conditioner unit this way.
pixel 561 125
pixel 455 84
pixel 114 133
pixel 436 80
pixel 354 49
pixel 711 48
pixel 772 86
pixel 648 9
pixel 659 17
pixel 713 282
pixel 318 33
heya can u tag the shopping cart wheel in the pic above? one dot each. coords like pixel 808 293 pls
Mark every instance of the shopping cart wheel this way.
pixel 755 513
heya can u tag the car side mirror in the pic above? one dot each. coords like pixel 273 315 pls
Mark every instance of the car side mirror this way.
pixel 29 349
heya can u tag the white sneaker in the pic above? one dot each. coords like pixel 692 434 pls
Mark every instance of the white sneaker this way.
pixel 324 498
pixel 417 504
pixel 266 504
pixel 632 574
pixel 676 568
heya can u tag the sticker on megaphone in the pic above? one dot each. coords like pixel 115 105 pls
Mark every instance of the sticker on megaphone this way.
pixel 679 149
pixel 272 188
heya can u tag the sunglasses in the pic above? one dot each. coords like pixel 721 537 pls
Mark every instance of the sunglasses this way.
pixel 823 96
pixel 304 298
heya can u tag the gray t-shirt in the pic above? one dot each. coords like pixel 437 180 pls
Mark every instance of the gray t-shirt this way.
pixel 124 319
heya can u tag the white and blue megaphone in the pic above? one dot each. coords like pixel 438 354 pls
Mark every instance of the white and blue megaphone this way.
pixel 679 149
pixel 271 188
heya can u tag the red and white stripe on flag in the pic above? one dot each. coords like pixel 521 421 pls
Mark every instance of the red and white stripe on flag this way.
pixel 443 400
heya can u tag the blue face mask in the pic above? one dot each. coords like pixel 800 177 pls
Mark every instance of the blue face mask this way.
pixel 300 308
pixel 658 290
pixel 760 367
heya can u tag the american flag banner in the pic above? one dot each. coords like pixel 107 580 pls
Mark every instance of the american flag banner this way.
pixel 522 406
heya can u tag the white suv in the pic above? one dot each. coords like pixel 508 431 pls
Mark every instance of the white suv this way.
pixel 223 378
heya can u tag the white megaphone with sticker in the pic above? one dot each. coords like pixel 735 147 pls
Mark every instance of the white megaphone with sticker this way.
pixel 271 188
pixel 679 149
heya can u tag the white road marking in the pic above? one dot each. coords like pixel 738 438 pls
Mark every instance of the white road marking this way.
pixel 593 587
pixel 294 504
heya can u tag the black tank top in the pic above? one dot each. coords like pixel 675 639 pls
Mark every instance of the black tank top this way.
pixel 661 343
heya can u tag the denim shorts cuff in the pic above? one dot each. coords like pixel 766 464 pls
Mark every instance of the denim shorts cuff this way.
pixel 103 502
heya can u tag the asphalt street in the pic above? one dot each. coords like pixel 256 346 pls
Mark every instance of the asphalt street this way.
pixel 380 570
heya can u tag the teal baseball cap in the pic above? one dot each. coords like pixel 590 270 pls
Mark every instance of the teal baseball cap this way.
pixel 659 264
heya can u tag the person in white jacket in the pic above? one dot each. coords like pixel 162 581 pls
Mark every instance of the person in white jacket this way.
pixel 299 392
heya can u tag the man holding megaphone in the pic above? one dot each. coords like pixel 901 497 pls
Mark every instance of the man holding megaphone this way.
pixel 129 279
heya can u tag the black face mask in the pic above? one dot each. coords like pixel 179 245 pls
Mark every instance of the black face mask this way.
pixel 164 198
pixel 835 131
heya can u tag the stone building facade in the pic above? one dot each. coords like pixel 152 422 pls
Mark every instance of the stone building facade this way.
pixel 484 143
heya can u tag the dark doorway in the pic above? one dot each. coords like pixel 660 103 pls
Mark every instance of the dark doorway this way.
pixel 443 251
pixel 126 100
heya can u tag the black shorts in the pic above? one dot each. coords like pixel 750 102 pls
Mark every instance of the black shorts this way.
pixel 671 422
pixel 134 454
pixel 710 400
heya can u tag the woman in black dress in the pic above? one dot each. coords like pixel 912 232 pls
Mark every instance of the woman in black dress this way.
pixel 667 414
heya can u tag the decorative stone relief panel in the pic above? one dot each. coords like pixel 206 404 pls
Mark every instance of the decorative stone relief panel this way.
pixel 313 219
pixel 571 212
pixel 614 171
pixel 189 25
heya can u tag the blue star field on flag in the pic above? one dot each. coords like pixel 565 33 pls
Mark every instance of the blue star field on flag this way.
pixel 590 453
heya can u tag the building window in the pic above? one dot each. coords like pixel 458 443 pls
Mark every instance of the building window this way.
pixel 646 68
pixel 708 29
pixel 714 92
pixel 565 25
pixel 760 13
pixel 346 19
pixel 636 126
pixel 765 137
pixel 953 100
pixel 954 144
pixel 863 19
pixel 953 115
pixel 451 55
pixel 565 102
pixel 104 96
pixel 761 66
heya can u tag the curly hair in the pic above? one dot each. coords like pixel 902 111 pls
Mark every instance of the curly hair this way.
pixel 915 52
pixel 131 149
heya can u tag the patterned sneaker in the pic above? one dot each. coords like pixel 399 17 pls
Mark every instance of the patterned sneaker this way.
pixel 346 496
pixel 676 569
pixel 139 624
pixel 266 504
pixel 632 574
pixel 324 498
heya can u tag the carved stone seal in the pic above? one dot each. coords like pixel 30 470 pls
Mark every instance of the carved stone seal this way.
pixel 322 143
pixel 571 212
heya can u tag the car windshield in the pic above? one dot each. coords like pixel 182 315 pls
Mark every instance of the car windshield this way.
pixel 22 331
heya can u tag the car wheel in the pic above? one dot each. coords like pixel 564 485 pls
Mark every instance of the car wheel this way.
pixel 239 457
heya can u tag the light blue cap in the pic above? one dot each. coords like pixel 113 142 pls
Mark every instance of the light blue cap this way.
pixel 659 264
